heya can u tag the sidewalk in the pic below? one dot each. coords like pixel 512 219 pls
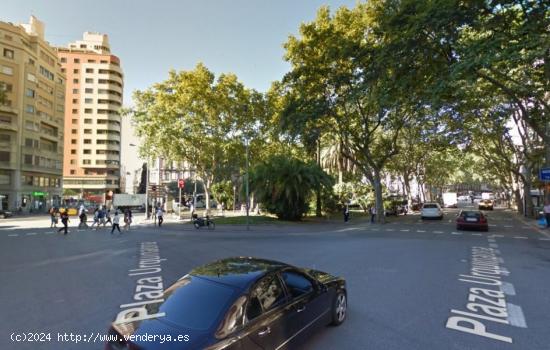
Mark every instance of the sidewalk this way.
pixel 529 222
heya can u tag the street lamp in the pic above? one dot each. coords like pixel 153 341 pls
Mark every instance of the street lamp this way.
pixel 247 194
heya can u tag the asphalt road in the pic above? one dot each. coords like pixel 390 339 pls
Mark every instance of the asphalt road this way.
pixel 403 278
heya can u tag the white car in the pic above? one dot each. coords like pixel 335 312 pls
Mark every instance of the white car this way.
pixel 431 210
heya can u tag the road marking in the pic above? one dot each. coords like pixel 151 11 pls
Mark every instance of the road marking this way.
pixel 498 236
pixel 31 234
pixel 49 233
pixel 491 240
pixel 14 235
pixel 420 231
pixel 520 237
pixel 390 229
pixel 508 226
pixel 492 225
pixel 477 234
pixel 408 231
pixel 508 288
pixel 438 231
pixel 493 245
pixel 456 233
pixel 515 316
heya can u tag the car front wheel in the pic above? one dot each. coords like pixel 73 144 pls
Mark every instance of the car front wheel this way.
pixel 339 308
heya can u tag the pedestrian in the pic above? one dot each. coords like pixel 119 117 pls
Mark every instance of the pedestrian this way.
pixel 372 214
pixel 346 213
pixel 53 217
pixel 127 219
pixel 546 211
pixel 83 219
pixel 101 217
pixel 108 218
pixel 115 223
pixel 96 217
pixel 155 210
pixel 65 222
pixel 160 216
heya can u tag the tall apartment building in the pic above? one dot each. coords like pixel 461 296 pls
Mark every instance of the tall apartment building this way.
pixel 91 165
pixel 31 119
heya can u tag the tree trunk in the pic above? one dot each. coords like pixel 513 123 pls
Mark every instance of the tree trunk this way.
pixel 207 185
pixel 527 194
pixel 380 218
pixel 318 211
pixel 407 183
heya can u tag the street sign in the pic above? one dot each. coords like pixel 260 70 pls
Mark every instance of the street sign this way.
pixel 544 174
pixel 39 194
pixel 181 183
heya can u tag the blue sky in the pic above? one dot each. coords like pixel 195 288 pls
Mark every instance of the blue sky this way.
pixel 151 37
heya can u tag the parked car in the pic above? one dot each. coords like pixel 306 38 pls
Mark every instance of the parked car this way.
pixel 472 219
pixel 485 204
pixel 431 211
pixel 5 214
pixel 238 303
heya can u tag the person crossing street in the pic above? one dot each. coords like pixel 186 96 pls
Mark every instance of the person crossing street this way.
pixel 116 223
pixel 65 221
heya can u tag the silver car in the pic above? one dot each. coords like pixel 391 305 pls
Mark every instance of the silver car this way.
pixel 431 211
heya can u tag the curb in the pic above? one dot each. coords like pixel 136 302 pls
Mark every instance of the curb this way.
pixel 534 226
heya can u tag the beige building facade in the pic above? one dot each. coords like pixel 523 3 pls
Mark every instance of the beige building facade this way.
pixel 31 119
pixel 91 168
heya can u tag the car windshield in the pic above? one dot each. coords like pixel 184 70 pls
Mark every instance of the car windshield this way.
pixel 194 302
pixel 430 206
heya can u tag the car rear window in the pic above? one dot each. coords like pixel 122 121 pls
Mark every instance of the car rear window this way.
pixel 430 206
pixel 471 214
pixel 195 303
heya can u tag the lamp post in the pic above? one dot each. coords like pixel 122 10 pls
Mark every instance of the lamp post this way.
pixel 247 194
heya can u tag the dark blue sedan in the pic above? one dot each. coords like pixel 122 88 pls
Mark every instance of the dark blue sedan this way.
pixel 237 304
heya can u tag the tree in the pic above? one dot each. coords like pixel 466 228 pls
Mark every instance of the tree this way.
pixel 195 118
pixel 343 79
pixel 283 185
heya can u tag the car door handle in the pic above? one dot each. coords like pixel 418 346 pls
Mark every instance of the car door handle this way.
pixel 264 331
pixel 301 308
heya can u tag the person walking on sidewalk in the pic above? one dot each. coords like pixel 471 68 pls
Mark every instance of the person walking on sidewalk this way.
pixel 160 214
pixel 53 217
pixel 65 222
pixel 546 210
pixel 116 223
pixel 372 214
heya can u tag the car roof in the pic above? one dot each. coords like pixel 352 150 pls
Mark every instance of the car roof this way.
pixel 238 272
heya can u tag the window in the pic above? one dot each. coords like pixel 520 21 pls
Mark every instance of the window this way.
pixel 86 161
pixel 5 138
pixel 87 121
pixel 63 70
pixel 89 100
pixel 4 156
pixel 46 73
pixel 89 80
pixel 87 151
pixel 103 61
pixel 7 70
pixel 29 109
pixel 75 81
pixel 72 172
pixel 31 61
pixel 29 93
pixel 75 91
pixel 76 60
pixel 31 77
pixel 82 46
pixel 75 111
pixel 6 87
pixel 87 141
pixel 27 159
pixel 75 100
pixel 63 59
pixel 73 161
pixel 89 91
pixel 75 71
pixel 87 131
pixel 91 61
pixel 89 70
pixel 73 131
pixel 73 142
pixel 297 284
pixel 267 294
pixel 88 111
pixel 8 53
pixel 73 151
